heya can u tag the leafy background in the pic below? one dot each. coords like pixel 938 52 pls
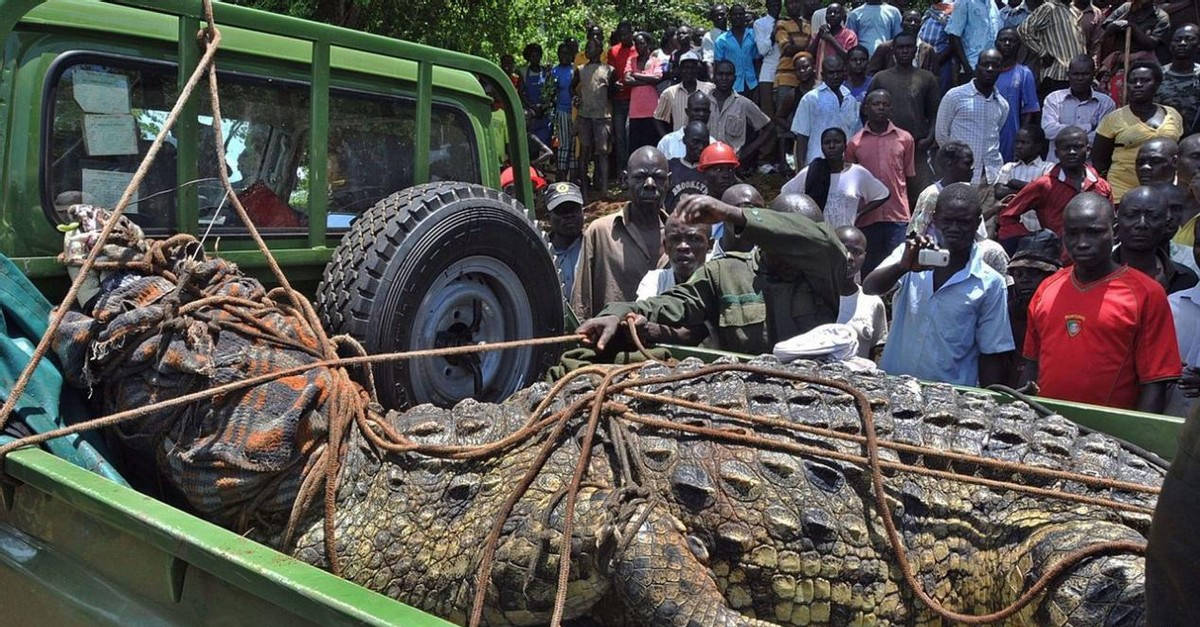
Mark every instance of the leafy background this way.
pixel 490 28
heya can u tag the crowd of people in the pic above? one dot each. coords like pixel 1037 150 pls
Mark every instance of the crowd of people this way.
pixel 981 193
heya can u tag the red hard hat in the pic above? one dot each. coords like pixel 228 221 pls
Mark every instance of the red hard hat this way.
pixel 718 153
pixel 506 178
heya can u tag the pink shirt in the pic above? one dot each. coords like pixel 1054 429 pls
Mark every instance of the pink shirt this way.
pixel 889 157
pixel 643 99
pixel 846 38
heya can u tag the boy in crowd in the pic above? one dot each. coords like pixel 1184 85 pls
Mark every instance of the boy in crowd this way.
pixel 862 312
pixel 1047 196
pixel 564 127
pixel 1027 165
pixel 686 177
pixel 592 84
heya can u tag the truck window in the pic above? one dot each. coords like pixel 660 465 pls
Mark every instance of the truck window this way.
pixel 453 151
pixel 265 130
pixel 371 150
pixel 102 117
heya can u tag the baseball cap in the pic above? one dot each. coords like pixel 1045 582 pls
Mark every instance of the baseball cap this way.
pixel 560 193
pixel 1041 250
pixel 689 56
pixel 506 178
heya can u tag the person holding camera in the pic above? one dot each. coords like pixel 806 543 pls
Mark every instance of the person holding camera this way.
pixel 950 314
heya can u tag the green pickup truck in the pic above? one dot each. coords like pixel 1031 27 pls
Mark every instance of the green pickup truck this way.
pixel 369 164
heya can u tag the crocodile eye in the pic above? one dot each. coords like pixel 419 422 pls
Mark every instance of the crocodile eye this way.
pixel 692 486
pixel 824 477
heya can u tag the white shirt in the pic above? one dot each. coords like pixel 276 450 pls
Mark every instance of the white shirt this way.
pixel 1022 170
pixel 655 282
pixel 849 190
pixel 867 316
pixel 672 146
pixel 708 44
pixel 1185 309
pixel 764 38
pixel 818 110
pixel 974 119
pixel 1183 254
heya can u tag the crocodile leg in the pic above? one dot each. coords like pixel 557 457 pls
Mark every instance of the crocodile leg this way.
pixel 662 581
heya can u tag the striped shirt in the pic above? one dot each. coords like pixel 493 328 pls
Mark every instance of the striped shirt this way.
pixel 975 119
pixel 1052 30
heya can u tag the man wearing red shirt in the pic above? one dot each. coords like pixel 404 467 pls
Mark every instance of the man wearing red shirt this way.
pixel 1108 318
pixel 887 152
pixel 1046 195
pixel 618 57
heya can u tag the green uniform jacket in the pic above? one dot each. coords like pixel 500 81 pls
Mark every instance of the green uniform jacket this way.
pixel 747 309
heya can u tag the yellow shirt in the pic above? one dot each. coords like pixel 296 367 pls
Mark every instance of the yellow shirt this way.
pixel 582 60
pixel 1128 132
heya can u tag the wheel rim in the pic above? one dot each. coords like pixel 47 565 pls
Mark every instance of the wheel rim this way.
pixel 476 299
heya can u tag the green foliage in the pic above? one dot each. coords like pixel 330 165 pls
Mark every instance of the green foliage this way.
pixel 490 28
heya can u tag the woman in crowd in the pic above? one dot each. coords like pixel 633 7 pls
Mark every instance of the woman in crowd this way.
pixel 844 190
pixel 642 73
pixel 1123 131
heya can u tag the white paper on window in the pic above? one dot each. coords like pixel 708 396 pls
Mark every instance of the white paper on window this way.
pixel 101 92
pixel 106 135
pixel 104 188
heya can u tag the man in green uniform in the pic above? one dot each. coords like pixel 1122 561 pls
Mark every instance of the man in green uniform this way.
pixel 788 285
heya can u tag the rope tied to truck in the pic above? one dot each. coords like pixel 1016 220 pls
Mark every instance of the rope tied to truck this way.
pixel 260 402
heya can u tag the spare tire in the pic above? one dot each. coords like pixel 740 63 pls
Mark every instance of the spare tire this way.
pixel 445 264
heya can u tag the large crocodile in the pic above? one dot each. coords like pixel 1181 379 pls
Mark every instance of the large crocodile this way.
pixel 670 528
pixel 740 535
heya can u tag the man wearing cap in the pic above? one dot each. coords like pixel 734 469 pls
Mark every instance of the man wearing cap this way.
pixel 672 103
pixel 790 284
pixel 1036 259
pixel 564 202
pixel 699 108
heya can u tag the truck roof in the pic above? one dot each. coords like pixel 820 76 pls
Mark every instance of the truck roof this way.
pixel 97 16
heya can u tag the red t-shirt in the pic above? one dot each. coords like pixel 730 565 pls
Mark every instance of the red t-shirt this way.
pixel 1097 343
pixel 618 57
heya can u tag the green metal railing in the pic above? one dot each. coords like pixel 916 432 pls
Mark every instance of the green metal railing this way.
pixel 321 37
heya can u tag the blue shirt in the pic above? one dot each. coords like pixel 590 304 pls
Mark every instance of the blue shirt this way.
pixel 874 24
pixel 939 336
pixel 742 54
pixel 976 23
pixel 565 261
pixel 933 30
pixel 1019 89
pixel 1011 17
pixel 562 84
pixel 818 110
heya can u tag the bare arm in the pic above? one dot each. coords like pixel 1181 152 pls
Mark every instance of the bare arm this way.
pixel 1102 151
pixel 873 205
pixel 960 54
pixel 801 151
pixel 1029 373
pixel 1152 397
pixel 992 368
pixel 884 277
